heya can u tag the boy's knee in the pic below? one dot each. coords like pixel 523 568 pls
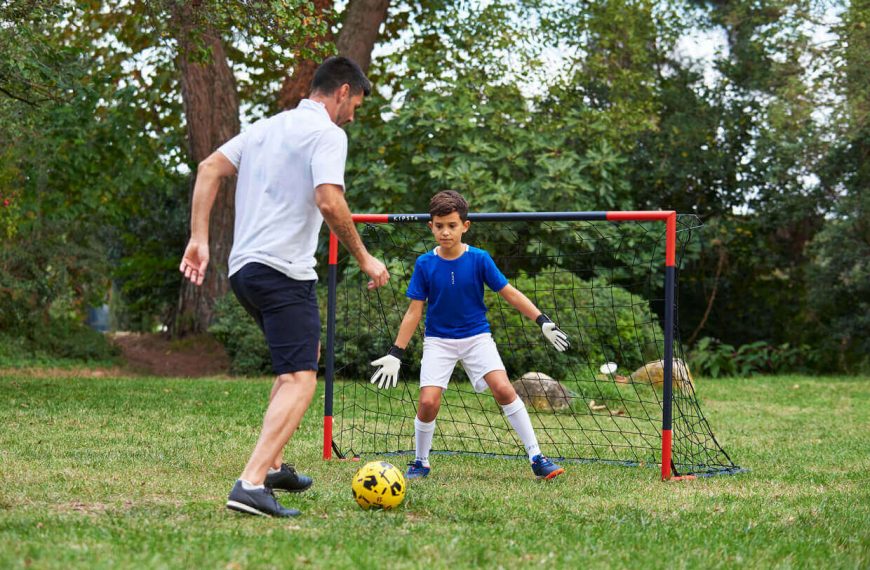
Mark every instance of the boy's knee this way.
pixel 428 406
pixel 504 393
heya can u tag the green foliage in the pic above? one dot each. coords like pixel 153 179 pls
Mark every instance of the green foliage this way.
pixel 61 341
pixel 54 271
pixel 458 118
pixel 839 285
pixel 469 96
pixel 243 340
pixel 839 254
pixel 713 358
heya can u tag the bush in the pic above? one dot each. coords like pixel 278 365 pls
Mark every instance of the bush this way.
pixel 241 337
pixel 713 358
pixel 59 339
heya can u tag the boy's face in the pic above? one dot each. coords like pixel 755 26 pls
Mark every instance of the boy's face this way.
pixel 448 229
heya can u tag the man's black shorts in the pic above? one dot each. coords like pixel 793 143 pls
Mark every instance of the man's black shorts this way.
pixel 286 310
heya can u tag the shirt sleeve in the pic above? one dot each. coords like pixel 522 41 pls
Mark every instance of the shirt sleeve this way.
pixel 232 149
pixel 492 276
pixel 330 154
pixel 418 287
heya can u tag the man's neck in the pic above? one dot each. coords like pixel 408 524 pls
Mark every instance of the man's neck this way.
pixel 328 104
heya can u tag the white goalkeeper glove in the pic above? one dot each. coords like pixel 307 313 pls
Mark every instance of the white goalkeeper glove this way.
pixel 554 334
pixel 389 367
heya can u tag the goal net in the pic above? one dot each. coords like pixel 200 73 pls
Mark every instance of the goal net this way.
pixel 606 278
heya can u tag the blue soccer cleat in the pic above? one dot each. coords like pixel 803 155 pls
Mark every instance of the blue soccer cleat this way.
pixel 543 468
pixel 416 470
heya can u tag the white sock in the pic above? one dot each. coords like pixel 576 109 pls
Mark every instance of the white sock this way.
pixel 248 486
pixel 423 433
pixel 272 470
pixel 518 417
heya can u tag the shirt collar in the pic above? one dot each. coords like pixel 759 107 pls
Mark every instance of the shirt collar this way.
pixel 314 106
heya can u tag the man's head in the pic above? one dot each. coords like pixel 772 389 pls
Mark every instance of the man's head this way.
pixel 340 84
pixel 449 212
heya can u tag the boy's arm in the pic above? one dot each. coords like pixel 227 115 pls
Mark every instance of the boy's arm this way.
pixel 524 305
pixel 388 371
pixel 519 301
pixel 409 323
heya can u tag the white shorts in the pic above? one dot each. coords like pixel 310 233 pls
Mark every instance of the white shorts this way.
pixel 478 355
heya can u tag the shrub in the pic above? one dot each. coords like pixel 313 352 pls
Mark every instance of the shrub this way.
pixel 58 339
pixel 713 358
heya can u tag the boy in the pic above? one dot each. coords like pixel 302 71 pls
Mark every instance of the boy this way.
pixel 451 279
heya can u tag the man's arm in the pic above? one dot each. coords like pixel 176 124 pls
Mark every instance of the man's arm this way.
pixel 519 301
pixel 331 203
pixel 209 174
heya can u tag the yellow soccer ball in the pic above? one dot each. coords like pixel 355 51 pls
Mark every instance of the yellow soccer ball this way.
pixel 378 485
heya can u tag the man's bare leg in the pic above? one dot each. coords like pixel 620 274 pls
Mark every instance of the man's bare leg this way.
pixel 279 458
pixel 276 463
pixel 290 398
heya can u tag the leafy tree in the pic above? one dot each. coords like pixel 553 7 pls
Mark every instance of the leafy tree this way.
pixel 839 284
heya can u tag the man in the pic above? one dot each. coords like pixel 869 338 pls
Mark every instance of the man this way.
pixel 290 178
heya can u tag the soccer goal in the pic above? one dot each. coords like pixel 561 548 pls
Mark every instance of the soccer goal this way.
pixel 622 394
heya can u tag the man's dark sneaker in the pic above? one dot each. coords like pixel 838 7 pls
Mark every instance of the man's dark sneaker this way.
pixel 543 468
pixel 287 479
pixel 257 502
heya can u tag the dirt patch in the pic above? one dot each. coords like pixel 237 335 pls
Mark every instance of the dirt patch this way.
pixel 146 355
pixel 158 355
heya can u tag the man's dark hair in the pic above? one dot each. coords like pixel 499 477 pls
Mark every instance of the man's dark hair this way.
pixel 447 201
pixel 335 71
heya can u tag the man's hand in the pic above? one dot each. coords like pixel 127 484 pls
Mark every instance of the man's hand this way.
pixel 557 338
pixel 195 261
pixel 389 368
pixel 376 270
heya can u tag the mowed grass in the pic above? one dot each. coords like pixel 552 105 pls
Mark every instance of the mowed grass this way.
pixel 133 473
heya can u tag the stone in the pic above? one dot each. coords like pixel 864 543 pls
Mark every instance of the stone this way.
pixel 654 373
pixel 541 392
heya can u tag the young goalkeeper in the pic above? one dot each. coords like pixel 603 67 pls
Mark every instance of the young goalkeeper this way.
pixel 451 279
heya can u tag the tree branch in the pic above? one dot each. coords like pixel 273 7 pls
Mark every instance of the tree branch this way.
pixel 723 255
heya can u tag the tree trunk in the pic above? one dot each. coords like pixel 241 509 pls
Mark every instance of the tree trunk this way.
pixel 211 110
pixel 359 32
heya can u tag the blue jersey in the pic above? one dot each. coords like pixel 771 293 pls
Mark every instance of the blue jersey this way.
pixel 454 291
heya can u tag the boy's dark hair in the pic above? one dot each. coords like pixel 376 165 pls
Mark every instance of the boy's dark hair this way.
pixel 335 71
pixel 447 201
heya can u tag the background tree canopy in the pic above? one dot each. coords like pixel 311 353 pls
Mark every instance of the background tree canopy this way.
pixel 760 128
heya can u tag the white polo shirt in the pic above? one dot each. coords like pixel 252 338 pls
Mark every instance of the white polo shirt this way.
pixel 280 161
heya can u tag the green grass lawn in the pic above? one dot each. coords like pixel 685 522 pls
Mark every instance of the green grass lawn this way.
pixel 109 473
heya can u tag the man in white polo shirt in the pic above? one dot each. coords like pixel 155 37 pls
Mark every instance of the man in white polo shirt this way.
pixel 290 178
